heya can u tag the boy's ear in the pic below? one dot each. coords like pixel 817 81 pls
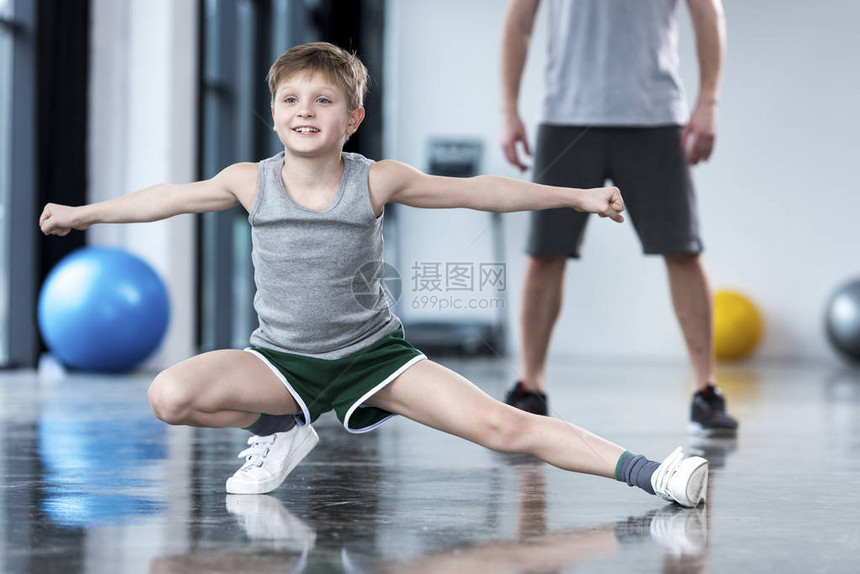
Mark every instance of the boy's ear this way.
pixel 274 126
pixel 356 116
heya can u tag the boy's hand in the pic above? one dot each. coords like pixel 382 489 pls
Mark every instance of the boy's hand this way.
pixel 604 201
pixel 59 220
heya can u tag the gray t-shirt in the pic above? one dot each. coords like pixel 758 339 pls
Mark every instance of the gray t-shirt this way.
pixel 318 272
pixel 613 62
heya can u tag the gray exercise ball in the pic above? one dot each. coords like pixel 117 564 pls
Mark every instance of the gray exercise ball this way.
pixel 843 320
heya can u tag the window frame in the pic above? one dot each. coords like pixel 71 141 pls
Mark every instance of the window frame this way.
pixel 20 338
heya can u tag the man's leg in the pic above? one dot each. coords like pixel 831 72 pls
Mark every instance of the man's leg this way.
pixel 649 165
pixel 691 298
pixel 541 306
pixel 566 156
pixel 232 388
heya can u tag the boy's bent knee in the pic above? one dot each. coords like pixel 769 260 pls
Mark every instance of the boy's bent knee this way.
pixel 168 400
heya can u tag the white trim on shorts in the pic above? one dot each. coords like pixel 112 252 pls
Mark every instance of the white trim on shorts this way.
pixel 283 379
pixel 360 402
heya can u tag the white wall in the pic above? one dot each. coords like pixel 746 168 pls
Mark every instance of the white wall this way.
pixel 142 127
pixel 777 200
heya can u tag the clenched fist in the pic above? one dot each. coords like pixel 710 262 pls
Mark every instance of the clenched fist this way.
pixel 60 220
pixel 604 201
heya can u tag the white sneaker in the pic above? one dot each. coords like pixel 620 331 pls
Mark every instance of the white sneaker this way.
pixel 681 480
pixel 682 531
pixel 269 459
pixel 265 520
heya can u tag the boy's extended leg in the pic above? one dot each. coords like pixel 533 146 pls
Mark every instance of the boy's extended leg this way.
pixel 438 397
pixel 435 396
pixel 233 388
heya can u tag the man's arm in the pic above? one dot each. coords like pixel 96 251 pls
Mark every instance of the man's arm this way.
pixel 710 27
pixel 152 203
pixel 516 34
pixel 392 181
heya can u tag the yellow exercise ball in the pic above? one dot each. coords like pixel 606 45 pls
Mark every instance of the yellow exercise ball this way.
pixel 738 325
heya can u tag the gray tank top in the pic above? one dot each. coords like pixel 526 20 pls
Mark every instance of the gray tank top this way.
pixel 613 62
pixel 306 264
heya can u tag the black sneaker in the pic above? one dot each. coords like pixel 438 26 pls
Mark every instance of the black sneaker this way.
pixel 708 416
pixel 526 400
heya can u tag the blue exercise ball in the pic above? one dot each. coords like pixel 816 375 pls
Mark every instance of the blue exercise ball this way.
pixel 842 320
pixel 103 310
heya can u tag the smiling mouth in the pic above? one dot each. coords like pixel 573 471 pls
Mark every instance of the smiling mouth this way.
pixel 306 130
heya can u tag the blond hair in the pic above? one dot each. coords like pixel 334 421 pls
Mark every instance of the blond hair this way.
pixel 336 64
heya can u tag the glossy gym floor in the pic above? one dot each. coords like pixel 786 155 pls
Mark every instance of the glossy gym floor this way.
pixel 92 483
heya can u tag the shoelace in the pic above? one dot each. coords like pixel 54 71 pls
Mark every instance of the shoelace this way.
pixel 660 480
pixel 255 455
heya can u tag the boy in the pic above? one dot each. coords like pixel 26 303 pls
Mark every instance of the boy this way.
pixel 316 219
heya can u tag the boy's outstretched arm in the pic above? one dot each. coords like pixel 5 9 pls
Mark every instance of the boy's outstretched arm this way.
pixel 392 181
pixel 153 203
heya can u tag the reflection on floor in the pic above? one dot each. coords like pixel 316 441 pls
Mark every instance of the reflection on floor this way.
pixel 91 482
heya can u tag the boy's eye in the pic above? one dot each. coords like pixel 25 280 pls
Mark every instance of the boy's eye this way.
pixel 290 100
pixel 324 100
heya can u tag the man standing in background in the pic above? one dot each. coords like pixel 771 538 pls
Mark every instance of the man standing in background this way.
pixel 614 108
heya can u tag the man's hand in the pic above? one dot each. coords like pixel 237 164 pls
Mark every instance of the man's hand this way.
pixel 514 132
pixel 60 220
pixel 697 137
pixel 604 201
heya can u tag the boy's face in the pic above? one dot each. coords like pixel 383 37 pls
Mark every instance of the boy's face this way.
pixel 311 116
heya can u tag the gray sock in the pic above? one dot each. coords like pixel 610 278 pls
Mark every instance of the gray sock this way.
pixel 636 470
pixel 270 424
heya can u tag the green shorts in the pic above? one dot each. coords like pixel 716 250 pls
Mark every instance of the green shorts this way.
pixel 343 385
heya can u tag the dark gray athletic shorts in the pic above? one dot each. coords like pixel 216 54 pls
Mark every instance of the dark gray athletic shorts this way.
pixel 645 163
